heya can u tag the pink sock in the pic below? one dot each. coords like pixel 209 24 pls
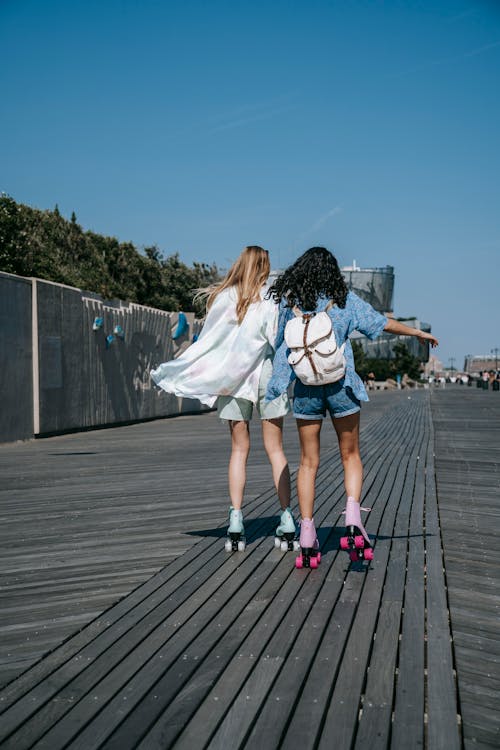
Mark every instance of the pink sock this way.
pixel 353 516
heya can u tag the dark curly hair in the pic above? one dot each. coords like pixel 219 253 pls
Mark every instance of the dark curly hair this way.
pixel 315 274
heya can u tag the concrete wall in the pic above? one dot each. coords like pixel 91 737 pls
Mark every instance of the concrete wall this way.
pixel 16 384
pixel 67 376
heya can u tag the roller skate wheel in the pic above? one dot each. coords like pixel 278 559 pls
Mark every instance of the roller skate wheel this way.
pixel 284 546
pixel 228 546
pixel 277 542
pixel 318 557
pixel 299 562
pixel 344 542
pixel 359 542
pixel 354 556
pixel 313 562
pixel 296 546
pixel 368 553
pixel 241 546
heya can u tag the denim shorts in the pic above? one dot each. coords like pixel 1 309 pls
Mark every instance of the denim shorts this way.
pixel 313 401
pixel 241 409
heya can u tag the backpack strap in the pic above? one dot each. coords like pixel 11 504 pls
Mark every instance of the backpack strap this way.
pixel 298 312
pixel 307 317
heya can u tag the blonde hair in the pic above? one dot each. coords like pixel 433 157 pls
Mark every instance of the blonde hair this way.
pixel 248 274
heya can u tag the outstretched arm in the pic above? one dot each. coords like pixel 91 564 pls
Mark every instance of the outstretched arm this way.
pixel 394 326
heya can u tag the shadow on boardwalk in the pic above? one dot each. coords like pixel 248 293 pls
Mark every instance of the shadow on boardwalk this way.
pixel 242 650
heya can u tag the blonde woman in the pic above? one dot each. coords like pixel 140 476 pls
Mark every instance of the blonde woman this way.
pixel 230 365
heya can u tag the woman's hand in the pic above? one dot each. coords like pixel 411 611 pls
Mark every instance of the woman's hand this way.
pixel 423 337
pixel 400 329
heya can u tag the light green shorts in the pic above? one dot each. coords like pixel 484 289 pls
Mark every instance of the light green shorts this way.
pixel 241 410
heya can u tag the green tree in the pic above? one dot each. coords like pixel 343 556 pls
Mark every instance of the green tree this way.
pixel 45 245
pixel 359 359
pixel 381 368
pixel 404 363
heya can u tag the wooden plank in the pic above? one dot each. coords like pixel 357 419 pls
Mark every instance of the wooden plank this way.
pixel 53 511
pixel 408 721
pixel 218 532
pixel 172 664
pixel 340 720
pixel 130 679
pixel 206 712
pixel 155 704
pixel 311 702
pixel 141 627
pixel 171 577
pixel 477 643
pixel 247 705
pixel 479 694
pixel 442 709
pixel 376 717
pixel 52 681
pixel 177 572
pixel 480 726
pixel 468 481
pixel 270 649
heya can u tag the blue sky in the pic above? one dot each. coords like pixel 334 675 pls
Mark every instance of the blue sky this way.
pixel 372 128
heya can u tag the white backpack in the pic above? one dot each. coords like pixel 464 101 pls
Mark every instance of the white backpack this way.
pixel 315 356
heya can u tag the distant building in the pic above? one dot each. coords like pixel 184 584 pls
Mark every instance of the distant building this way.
pixel 382 347
pixel 374 285
pixel 434 366
pixel 479 362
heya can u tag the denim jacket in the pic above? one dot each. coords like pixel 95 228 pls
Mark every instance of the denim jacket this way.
pixel 357 315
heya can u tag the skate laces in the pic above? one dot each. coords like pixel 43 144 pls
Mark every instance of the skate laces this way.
pixel 365 510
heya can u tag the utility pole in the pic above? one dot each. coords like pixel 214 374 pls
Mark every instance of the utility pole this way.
pixel 452 360
pixel 496 352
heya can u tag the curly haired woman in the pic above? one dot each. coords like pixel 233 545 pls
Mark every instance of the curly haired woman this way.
pixel 315 284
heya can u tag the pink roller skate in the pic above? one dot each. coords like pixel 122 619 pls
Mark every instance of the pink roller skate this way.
pixel 356 541
pixel 310 556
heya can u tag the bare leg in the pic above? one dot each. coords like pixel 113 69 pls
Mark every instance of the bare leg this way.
pixel 240 444
pixel 347 429
pixel 309 435
pixel 272 434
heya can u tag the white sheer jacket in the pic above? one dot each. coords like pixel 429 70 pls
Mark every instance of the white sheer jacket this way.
pixel 227 358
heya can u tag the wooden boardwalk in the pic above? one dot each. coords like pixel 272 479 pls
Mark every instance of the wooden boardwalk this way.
pixel 467 428
pixel 241 650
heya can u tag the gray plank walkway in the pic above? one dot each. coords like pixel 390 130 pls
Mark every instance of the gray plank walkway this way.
pixel 85 518
pixel 467 427
pixel 205 649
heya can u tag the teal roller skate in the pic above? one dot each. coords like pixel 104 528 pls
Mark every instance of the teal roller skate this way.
pixel 286 533
pixel 235 541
